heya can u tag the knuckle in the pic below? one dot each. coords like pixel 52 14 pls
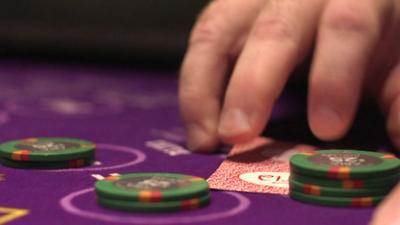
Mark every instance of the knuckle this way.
pixel 188 96
pixel 347 21
pixel 204 32
pixel 208 29
pixel 273 29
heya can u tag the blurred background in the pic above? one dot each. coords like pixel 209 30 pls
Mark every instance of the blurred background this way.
pixel 148 33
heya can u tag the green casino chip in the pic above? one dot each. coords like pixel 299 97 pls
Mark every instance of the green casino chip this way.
pixel 171 206
pixel 349 184
pixel 345 164
pixel 73 163
pixel 47 149
pixel 152 187
pixel 335 192
pixel 357 202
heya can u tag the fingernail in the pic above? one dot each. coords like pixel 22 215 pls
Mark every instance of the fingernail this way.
pixel 327 123
pixel 234 122
pixel 328 115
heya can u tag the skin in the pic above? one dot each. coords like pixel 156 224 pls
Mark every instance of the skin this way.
pixel 388 213
pixel 241 54
pixel 356 52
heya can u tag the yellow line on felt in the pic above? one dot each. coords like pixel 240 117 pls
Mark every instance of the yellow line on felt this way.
pixel 11 214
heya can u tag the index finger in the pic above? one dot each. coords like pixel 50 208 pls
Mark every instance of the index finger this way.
pixel 205 67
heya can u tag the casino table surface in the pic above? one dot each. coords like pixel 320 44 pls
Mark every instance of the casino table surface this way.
pixel 132 115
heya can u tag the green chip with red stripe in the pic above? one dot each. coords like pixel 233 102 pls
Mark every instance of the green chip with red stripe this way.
pixel 379 182
pixel 151 187
pixel 171 206
pixel 356 202
pixel 344 164
pixel 312 189
pixel 47 149
pixel 73 163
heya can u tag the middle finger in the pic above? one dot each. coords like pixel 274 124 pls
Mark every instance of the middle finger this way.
pixel 280 37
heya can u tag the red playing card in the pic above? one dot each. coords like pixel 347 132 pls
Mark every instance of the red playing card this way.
pixel 258 166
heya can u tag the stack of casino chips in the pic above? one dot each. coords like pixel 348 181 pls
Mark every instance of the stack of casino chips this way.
pixel 152 192
pixel 342 178
pixel 47 153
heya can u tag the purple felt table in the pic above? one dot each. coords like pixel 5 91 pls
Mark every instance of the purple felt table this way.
pixel 132 116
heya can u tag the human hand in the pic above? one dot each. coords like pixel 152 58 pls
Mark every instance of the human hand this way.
pixel 241 54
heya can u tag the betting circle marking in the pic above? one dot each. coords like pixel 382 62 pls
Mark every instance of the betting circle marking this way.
pixel 139 158
pixel 67 205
